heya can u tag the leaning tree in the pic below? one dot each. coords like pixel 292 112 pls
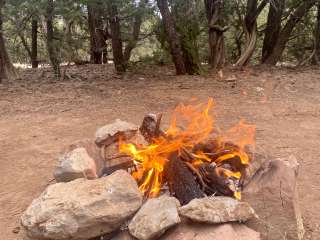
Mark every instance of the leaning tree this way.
pixel 253 10
pixel 6 67
pixel 51 40
pixel 273 28
pixel 216 29
pixel 172 37
pixel 296 14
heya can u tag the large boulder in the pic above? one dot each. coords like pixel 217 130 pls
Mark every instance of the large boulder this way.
pixel 75 164
pixel 111 133
pixel 83 209
pixel 197 231
pixel 272 193
pixel 217 210
pixel 155 217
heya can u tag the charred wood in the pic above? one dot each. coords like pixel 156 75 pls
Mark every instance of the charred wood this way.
pixel 181 181
pixel 150 127
pixel 217 182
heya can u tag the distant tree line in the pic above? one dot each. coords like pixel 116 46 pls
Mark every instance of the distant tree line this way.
pixel 188 33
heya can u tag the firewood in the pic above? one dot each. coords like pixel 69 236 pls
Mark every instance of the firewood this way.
pixel 217 182
pixel 181 181
pixel 123 165
pixel 150 127
pixel 198 175
pixel 209 146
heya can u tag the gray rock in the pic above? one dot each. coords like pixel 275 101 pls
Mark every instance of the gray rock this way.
pixel 217 210
pixel 272 193
pixel 201 231
pixel 155 217
pixel 83 209
pixel 75 164
pixel 110 133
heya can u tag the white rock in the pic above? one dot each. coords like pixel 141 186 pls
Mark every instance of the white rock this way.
pixel 155 217
pixel 110 133
pixel 82 209
pixel 217 210
pixel 75 164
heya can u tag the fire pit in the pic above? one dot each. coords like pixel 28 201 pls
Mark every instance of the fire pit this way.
pixel 142 181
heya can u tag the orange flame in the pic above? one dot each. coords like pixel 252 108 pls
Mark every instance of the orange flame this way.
pixel 195 126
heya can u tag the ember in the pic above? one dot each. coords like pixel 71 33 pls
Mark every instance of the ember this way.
pixel 192 157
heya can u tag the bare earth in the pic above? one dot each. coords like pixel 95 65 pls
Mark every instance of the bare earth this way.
pixel 39 116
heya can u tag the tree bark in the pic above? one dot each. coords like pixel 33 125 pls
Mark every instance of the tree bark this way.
pixel 6 67
pixel 135 31
pixel 253 10
pixel 216 33
pixel 24 43
pixel 316 56
pixel 34 44
pixel 172 37
pixel 273 28
pixel 51 45
pixel 97 34
pixel 116 41
pixel 285 33
pixel 188 30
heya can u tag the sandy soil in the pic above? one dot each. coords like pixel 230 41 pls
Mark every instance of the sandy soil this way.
pixel 39 116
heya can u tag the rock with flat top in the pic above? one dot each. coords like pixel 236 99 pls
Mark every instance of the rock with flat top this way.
pixel 75 164
pixel 201 231
pixel 111 133
pixel 217 210
pixel 273 195
pixel 83 209
pixel 155 217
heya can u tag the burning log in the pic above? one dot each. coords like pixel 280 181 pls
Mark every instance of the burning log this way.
pixel 180 180
pixel 218 181
pixel 123 165
pixel 150 127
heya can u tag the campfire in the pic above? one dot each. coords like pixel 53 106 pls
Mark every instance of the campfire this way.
pixel 190 172
pixel 192 158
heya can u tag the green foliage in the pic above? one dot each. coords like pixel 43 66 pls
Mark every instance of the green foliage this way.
pixel 72 35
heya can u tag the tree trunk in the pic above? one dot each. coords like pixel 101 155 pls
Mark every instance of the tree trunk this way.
pixel 135 31
pixel 51 44
pixel 97 35
pixel 24 43
pixel 34 44
pixel 316 56
pixel 285 33
pixel 273 28
pixel 116 41
pixel 6 67
pixel 188 30
pixel 253 10
pixel 172 37
pixel 215 31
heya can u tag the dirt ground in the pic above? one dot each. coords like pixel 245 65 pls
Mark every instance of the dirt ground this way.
pixel 40 116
